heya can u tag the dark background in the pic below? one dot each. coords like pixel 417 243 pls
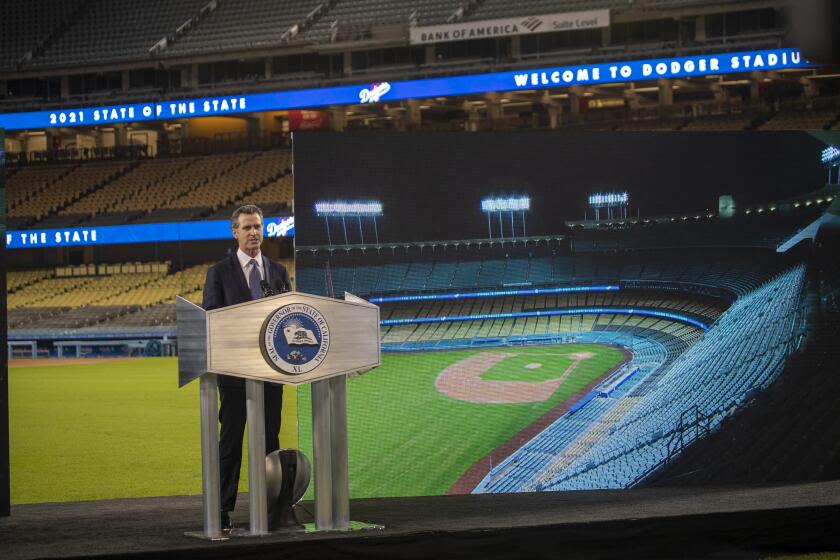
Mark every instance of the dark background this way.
pixel 431 184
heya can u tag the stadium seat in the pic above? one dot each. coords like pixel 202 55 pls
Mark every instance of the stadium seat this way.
pixel 623 439
pixel 92 35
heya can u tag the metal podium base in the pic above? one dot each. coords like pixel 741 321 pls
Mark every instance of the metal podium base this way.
pixel 237 533
pixel 353 526
pixel 202 535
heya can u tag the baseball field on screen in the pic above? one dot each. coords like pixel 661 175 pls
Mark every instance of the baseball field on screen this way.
pixel 406 438
pixel 124 429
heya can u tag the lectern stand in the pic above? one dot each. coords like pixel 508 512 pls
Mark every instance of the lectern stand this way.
pixel 291 338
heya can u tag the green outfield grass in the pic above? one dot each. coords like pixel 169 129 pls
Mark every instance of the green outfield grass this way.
pixel 94 431
pixel 108 430
pixel 408 439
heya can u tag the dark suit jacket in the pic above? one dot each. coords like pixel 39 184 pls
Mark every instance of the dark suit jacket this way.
pixel 226 285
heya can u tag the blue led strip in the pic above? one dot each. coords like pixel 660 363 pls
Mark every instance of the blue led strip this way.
pixel 550 313
pixel 496 293
pixel 588 74
pixel 138 233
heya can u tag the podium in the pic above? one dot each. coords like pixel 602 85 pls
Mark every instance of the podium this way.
pixel 291 338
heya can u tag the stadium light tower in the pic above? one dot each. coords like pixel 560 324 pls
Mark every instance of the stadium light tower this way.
pixel 609 201
pixel 507 205
pixel 368 209
pixel 830 158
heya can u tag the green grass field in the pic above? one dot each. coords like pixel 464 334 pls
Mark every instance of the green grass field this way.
pixel 124 429
pixel 109 430
pixel 84 432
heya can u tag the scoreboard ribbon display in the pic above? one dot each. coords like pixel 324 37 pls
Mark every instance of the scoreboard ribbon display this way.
pixel 139 233
pixel 590 74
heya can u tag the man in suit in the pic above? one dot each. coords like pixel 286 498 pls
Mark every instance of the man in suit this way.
pixel 243 276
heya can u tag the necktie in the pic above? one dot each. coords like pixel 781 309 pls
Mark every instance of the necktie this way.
pixel 254 280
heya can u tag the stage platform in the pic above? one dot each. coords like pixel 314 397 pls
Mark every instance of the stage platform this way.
pixel 723 522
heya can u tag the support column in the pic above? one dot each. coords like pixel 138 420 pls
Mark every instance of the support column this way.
pixel 431 54
pixel 606 36
pixel 719 93
pixel 329 447
pixel 755 86
pixel 700 29
pixel 666 96
pixel 125 80
pixel 340 463
pixel 23 138
pixel 189 75
pixel 574 107
pixel 515 46
pixel 210 484
pixel 348 63
pixel 194 75
pixel 253 130
pixel 397 117
pixel 120 134
pixel 65 86
pixel 413 114
pixel 257 493
pixel 555 116
pixel 51 136
pixel 810 88
pixel 495 111
pixel 555 113
pixel 268 68
pixel 338 118
pixel 666 92
pixel 321 454
pixel 473 117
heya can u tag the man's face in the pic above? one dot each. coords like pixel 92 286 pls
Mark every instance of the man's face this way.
pixel 249 234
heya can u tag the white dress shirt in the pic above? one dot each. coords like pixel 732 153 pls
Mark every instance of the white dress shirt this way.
pixel 245 263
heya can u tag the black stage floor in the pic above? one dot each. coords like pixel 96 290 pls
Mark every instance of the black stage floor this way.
pixel 645 523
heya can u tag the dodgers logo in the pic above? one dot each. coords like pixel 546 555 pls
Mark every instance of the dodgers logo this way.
pixel 295 339
pixel 374 93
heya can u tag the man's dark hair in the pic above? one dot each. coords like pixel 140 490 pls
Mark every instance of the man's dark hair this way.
pixel 247 209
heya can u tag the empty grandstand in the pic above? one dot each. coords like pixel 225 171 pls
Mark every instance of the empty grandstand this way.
pixel 148 190
pixel 784 433
pixel 126 298
pixel 742 354
pixel 736 272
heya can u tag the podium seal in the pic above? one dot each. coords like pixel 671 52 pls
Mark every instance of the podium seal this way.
pixel 295 339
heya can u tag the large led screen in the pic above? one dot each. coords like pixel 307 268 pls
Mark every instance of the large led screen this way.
pixel 573 311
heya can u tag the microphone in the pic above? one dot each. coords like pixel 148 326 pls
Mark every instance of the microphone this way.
pixel 266 288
